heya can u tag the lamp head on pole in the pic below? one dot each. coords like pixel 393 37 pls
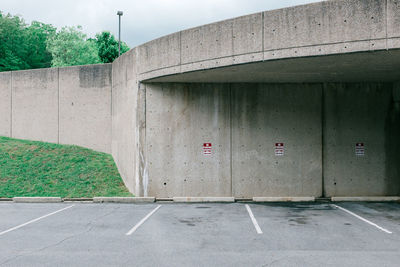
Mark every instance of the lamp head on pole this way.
pixel 120 13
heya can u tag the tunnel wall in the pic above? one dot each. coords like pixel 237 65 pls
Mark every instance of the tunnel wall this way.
pixel 365 113
pixel 319 125
pixel 60 105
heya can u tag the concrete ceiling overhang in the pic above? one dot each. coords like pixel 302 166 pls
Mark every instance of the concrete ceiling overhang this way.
pixel 372 66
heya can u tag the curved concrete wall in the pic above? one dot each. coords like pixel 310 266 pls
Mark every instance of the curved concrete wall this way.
pixel 320 29
pixel 156 130
pixel 61 105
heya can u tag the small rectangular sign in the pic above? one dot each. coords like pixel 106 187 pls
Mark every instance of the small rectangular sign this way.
pixel 279 149
pixel 360 151
pixel 207 148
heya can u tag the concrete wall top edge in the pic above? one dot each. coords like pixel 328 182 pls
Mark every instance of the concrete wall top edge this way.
pixel 316 29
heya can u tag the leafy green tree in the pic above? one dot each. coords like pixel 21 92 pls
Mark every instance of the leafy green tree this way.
pixel 108 47
pixel 70 47
pixel 37 35
pixel 23 46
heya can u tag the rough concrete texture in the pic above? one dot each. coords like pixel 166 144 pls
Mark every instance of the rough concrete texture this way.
pixel 203 199
pixel 35 105
pixel 159 129
pixel 37 199
pixel 85 106
pixel 323 28
pixel 283 199
pixel 5 104
pixel 361 113
pixel 124 120
pixel 123 199
pixel 180 119
pixel 266 114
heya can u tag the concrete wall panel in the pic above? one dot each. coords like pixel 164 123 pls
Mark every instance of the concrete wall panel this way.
pixel 160 53
pixel 85 106
pixel 35 105
pixel 323 23
pixel 180 119
pixel 393 18
pixel 5 104
pixel 265 114
pixel 248 34
pixel 210 41
pixel 361 113
pixel 124 122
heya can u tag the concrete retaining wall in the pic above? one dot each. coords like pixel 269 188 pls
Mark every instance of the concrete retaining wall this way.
pixel 125 129
pixel 317 78
pixel 5 103
pixel 67 105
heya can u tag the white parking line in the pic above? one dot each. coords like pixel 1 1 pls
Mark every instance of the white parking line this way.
pixel 363 219
pixel 142 221
pixel 34 220
pixel 253 219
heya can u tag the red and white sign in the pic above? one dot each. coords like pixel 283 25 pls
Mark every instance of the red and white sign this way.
pixel 360 151
pixel 279 149
pixel 207 148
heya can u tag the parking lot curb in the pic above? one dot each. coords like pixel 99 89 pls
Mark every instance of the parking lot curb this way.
pixel 203 199
pixel 123 199
pixel 283 199
pixel 37 199
pixel 380 199
pixel 5 199
pixel 74 199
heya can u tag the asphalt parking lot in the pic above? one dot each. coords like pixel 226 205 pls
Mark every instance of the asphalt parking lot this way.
pixel 235 234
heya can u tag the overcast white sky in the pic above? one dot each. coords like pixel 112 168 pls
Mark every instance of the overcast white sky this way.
pixel 143 20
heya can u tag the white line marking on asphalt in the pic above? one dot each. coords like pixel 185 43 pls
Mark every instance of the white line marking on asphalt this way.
pixel 253 219
pixel 361 218
pixel 35 220
pixel 142 221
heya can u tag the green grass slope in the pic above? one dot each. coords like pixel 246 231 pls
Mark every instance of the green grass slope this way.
pixel 29 168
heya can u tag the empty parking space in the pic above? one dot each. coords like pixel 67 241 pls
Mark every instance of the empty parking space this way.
pixel 203 234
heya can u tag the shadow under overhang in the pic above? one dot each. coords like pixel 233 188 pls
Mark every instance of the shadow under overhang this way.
pixel 374 66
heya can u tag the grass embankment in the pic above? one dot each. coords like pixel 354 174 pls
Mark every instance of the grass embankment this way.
pixel 29 168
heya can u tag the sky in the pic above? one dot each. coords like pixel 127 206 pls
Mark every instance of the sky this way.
pixel 143 20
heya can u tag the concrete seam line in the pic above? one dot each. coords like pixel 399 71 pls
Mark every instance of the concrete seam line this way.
pixel 35 220
pixel 253 219
pixel 142 221
pixel 363 219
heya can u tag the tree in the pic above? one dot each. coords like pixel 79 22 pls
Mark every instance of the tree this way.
pixel 108 47
pixel 70 47
pixel 23 46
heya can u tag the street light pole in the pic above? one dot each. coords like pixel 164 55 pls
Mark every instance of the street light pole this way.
pixel 119 13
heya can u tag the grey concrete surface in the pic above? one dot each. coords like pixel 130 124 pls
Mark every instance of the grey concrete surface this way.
pixel 294 234
pixel 5 104
pixel 67 105
pixel 266 114
pixel 155 133
pixel 319 29
pixel 85 106
pixel 36 199
pixel 363 113
pixel 180 119
pixel 125 134
pixel 35 105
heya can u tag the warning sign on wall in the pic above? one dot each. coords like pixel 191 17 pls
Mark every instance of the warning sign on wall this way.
pixel 207 148
pixel 279 149
pixel 360 151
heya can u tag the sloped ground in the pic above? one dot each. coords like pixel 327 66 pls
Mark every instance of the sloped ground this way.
pixel 30 168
